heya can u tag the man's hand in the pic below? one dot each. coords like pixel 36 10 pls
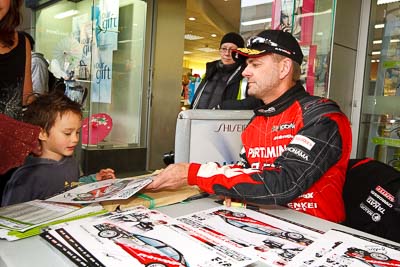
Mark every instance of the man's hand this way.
pixel 105 174
pixel 172 177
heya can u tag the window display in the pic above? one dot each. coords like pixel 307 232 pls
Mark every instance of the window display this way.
pixel 380 119
pixel 97 47
pixel 310 21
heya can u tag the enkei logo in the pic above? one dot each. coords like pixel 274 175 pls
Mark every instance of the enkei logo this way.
pixel 281 127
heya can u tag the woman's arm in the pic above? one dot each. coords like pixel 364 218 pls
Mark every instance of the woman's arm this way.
pixel 27 92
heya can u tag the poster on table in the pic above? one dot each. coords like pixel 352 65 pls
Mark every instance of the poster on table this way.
pixel 337 248
pixel 274 241
pixel 112 189
pixel 26 215
pixel 139 237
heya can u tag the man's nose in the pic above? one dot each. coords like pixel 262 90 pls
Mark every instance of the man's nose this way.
pixel 245 72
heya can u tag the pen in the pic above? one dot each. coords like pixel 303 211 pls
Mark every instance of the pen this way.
pixel 198 196
pixel 240 205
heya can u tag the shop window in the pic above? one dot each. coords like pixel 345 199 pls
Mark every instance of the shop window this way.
pixel 310 21
pixel 380 114
pixel 98 48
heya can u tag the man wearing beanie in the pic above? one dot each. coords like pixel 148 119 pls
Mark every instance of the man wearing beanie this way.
pixel 296 147
pixel 223 86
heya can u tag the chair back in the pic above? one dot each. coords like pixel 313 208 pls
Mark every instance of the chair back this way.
pixel 371 196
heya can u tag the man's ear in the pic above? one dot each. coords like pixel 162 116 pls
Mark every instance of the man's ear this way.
pixel 286 66
pixel 43 135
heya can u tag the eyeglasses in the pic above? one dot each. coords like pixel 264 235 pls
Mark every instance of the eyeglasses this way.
pixel 224 50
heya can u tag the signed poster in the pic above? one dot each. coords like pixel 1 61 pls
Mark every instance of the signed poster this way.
pixel 112 189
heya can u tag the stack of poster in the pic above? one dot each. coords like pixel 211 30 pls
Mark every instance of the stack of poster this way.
pixel 27 219
pixel 140 237
pixel 219 236
pixel 273 241
pixel 337 248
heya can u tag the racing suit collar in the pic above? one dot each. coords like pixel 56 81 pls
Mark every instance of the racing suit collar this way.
pixel 284 101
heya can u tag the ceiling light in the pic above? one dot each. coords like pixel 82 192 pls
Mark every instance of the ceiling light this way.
pixel 373 61
pixel 379 26
pixel 381 2
pixel 192 37
pixel 207 49
pixel 376 52
pixel 213 35
pixel 187 52
pixel 380 41
pixel 245 3
pixel 192 18
pixel 257 21
pixel 66 14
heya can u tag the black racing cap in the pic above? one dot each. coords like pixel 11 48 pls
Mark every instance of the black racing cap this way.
pixel 271 41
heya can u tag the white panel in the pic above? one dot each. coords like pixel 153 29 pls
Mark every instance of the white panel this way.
pixel 210 135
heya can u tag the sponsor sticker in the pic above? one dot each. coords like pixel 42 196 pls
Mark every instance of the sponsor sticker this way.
pixel 303 141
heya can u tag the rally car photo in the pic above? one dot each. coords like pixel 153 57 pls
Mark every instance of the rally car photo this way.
pixel 242 221
pixel 145 249
pixel 374 259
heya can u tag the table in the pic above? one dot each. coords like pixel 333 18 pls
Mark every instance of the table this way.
pixel 34 251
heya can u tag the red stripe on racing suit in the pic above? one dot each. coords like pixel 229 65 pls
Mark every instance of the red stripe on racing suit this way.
pixel 296 154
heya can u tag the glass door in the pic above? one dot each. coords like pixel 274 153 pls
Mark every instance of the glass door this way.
pixel 98 48
pixel 380 116
pixel 310 21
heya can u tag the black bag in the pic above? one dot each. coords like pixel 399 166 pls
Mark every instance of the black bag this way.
pixel 56 84
pixel 371 196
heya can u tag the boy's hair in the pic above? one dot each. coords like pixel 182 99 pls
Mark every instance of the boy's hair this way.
pixel 46 108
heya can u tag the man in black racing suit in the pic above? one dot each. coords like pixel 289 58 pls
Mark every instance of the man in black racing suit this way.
pixel 296 147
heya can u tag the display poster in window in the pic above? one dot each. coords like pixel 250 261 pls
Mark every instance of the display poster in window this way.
pixel 391 84
pixel 294 16
pixel 105 21
pixel 106 24
pixel 102 76
pixel 82 32
pixel 307 75
pixel 321 74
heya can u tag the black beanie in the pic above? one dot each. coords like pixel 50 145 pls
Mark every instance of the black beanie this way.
pixel 233 38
